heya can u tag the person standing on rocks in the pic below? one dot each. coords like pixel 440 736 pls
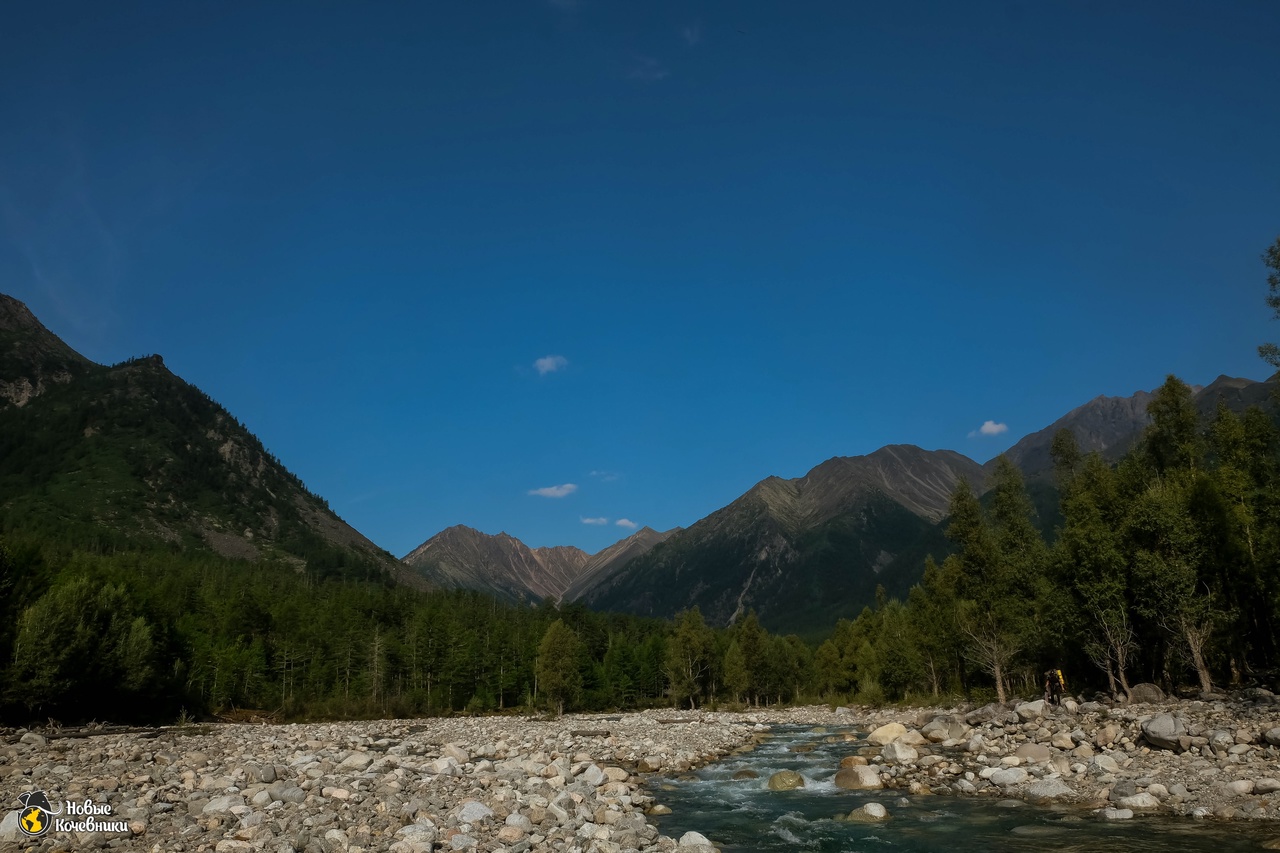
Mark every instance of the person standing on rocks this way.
pixel 1054 684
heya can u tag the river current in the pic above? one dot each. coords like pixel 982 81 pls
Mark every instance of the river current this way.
pixel 743 816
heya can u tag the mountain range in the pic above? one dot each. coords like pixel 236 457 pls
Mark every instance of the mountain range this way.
pixel 131 455
pixel 802 552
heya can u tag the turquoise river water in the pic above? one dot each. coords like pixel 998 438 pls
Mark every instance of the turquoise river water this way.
pixel 743 816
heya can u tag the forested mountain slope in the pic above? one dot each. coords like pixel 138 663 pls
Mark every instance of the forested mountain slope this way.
pixel 133 456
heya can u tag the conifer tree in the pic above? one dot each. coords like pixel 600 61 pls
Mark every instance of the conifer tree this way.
pixel 559 678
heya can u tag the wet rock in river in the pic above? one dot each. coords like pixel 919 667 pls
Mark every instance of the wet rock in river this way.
pixel 785 780
pixel 858 778
pixel 869 813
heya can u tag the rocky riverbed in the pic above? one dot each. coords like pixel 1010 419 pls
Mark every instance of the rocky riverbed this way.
pixel 1218 758
pixel 581 783
pixel 484 784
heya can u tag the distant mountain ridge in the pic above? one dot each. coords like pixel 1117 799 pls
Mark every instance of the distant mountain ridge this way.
pixel 502 565
pixel 810 549
pixel 795 550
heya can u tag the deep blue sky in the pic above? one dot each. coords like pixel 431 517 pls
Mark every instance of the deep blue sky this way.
pixel 756 235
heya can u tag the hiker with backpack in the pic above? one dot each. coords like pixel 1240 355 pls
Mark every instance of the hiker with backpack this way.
pixel 1054 685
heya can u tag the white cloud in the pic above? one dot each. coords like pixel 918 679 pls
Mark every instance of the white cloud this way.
pixel 550 364
pixel 989 428
pixel 648 70
pixel 691 34
pixel 606 476
pixel 627 523
pixel 554 491
pixel 593 520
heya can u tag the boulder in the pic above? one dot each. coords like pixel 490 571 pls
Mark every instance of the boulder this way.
pixel 1272 736
pixel 1007 777
pixel 472 811
pixel 457 753
pixel 9 826
pixel 897 752
pixel 986 714
pixel 945 727
pixel 1139 802
pixel 1104 764
pixel 745 773
pixel 785 780
pixel 691 838
pixel 1165 731
pixel 858 778
pixel 913 738
pixel 223 804
pixel 886 734
pixel 357 761
pixel 1033 753
pixel 869 813
pixel 1145 692
pixel 593 776
pixel 1266 786
pixel 1047 790
pixel 1117 814
pixel 1028 711
pixel 852 761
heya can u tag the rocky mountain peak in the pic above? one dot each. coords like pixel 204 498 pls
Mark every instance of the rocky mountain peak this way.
pixel 32 358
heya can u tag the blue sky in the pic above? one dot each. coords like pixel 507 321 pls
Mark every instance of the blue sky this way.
pixel 440 257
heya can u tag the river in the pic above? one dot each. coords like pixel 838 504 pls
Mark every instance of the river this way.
pixel 743 816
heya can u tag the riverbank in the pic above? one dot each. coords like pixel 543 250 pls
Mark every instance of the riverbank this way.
pixel 487 784
pixel 578 783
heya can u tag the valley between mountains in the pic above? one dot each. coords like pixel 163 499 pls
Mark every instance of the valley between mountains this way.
pixel 132 452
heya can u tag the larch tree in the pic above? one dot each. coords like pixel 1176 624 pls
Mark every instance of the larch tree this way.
pixel 559 678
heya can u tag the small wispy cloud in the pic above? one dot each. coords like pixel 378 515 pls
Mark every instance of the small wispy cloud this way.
pixel 627 523
pixel 648 70
pixel 593 520
pixel 554 491
pixel 605 476
pixel 550 364
pixel 989 428
pixel 692 34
